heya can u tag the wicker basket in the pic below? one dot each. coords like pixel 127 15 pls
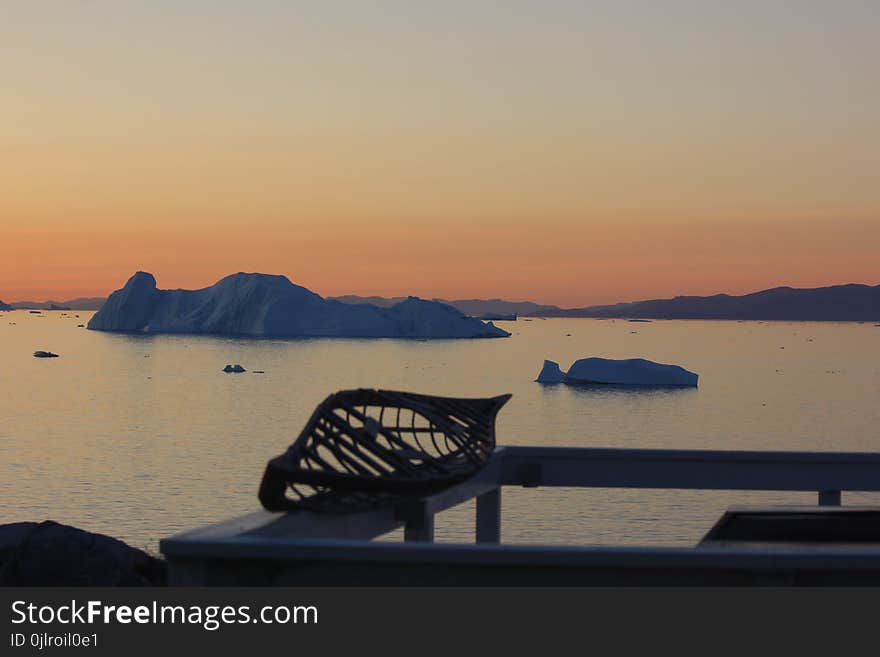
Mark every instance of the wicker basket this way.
pixel 363 448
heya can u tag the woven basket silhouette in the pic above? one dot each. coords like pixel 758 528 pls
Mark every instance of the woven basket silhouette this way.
pixel 363 448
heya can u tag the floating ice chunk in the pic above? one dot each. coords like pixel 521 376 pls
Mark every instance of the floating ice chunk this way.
pixel 551 373
pixel 629 372
pixel 498 317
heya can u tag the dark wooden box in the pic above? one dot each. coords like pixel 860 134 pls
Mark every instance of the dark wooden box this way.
pixel 796 525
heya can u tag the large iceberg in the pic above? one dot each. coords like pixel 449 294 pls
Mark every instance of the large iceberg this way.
pixel 627 372
pixel 262 305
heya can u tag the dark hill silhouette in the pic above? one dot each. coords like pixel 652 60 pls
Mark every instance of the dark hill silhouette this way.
pixel 835 303
pixel 472 307
pixel 852 302
pixel 82 303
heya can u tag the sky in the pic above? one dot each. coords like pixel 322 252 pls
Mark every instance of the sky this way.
pixel 572 153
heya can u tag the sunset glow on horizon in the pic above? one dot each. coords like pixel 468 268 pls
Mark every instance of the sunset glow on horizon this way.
pixel 576 154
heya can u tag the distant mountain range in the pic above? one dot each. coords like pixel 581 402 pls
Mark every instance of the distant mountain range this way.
pixel 835 303
pixel 473 307
pixel 82 303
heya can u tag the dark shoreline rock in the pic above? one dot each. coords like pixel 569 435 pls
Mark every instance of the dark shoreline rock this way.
pixel 51 554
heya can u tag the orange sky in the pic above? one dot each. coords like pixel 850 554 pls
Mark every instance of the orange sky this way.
pixel 562 155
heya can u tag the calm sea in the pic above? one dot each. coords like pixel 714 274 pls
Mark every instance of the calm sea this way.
pixel 142 436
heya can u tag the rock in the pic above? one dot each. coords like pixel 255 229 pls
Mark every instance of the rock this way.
pixel 52 554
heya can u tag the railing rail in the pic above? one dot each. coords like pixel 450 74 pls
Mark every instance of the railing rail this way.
pixel 826 473
pixel 689 469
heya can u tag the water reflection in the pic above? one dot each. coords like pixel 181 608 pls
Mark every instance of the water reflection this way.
pixel 593 390
pixel 141 435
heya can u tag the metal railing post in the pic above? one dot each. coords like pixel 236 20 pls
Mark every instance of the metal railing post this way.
pixel 489 517
pixel 419 529
pixel 829 498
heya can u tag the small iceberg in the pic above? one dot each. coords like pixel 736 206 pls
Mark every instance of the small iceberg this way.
pixel 551 373
pixel 44 354
pixel 234 368
pixel 627 372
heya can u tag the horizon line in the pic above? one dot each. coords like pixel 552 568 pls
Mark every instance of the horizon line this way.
pixel 475 298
